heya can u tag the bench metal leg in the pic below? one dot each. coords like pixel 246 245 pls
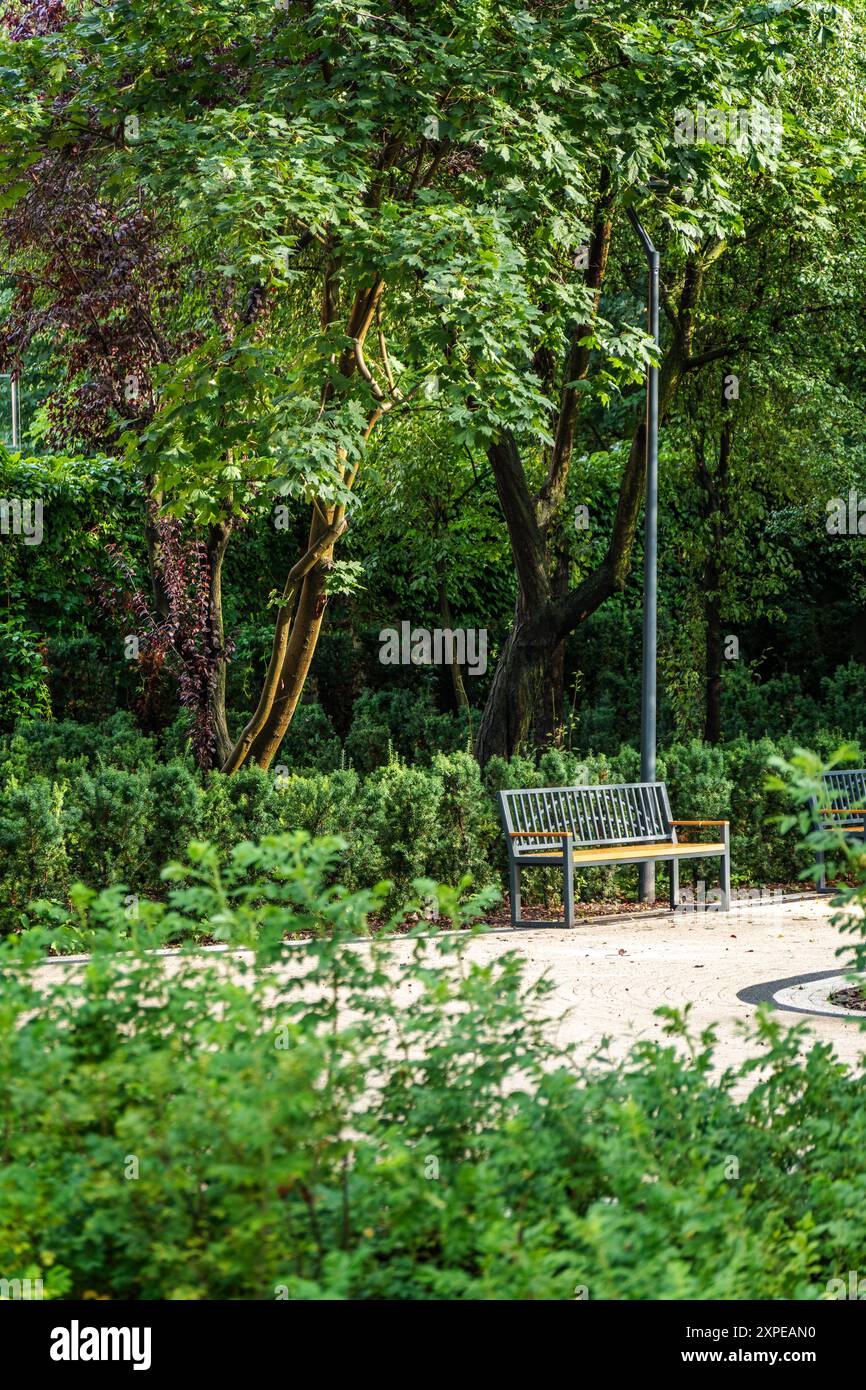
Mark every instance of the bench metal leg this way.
pixel 675 884
pixel 822 880
pixel 726 874
pixel 568 884
pixel 568 895
pixel 514 885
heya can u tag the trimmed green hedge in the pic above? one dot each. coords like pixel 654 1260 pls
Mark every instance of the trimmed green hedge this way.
pixel 102 804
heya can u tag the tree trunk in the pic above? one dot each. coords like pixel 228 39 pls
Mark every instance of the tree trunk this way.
pixel 516 688
pixel 539 628
pixel 460 697
pixel 296 633
pixel 300 651
pixel 549 716
pixel 715 487
pixel 217 544
pixel 548 722
pixel 544 619
pixel 302 608
pixel 152 540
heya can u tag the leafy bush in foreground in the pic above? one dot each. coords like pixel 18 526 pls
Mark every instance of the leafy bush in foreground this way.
pixel 390 1121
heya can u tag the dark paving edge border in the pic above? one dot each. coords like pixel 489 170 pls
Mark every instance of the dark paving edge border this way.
pixel 765 994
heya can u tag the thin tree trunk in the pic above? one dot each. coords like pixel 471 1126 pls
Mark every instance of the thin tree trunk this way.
pixel 457 682
pixel 295 635
pixel 300 650
pixel 217 544
pixel 153 502
pixel 715 486
pixel 304 599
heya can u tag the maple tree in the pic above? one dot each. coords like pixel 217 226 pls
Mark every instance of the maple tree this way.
pixel 417 209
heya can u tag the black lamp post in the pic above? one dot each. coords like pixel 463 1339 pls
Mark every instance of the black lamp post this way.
pixel 650 590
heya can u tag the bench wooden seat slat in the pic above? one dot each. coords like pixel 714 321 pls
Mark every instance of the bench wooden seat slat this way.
pixel 585 826
pixel 685 849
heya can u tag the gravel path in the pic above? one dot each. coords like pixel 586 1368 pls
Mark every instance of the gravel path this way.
pixel 610 976
pixel 613 976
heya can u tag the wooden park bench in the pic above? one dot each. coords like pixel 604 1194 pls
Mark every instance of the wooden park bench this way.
pixel 841 808
pixel 584 827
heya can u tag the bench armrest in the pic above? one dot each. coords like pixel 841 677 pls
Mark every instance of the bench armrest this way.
pixel 700 822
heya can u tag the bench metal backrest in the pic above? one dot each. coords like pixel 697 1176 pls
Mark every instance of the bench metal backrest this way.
pixel 843 789
pixel 628 813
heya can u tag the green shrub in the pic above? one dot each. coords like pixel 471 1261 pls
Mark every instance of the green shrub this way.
pixel 506 775
pixel 699 788
pixel 843 704
pixel 320 803
pixel 33 855
pixel 241 807
pixel 311 743
pixel 468 827
pixel 401 721
pixel 398 827
pixel 176 809
pixel 107 827
pixel 779 708
pixel 23 673
pixel 759 853
pixel 50 747
pixel 174 740
pixel 697 780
